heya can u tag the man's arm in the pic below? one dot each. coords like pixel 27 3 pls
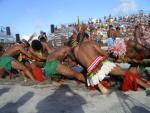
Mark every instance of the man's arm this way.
pixel 49 49
pixel 25 52
pixel 38 57
pixel 71 55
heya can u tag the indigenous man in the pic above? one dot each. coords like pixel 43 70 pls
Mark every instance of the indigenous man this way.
pixel 95 61
pixel 36 50
pixel 40 50
pixel 54 67
pixel 7 61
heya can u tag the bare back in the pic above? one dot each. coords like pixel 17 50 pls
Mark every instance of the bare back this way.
pixel 59 54
pixel 87 52
pixel 13 50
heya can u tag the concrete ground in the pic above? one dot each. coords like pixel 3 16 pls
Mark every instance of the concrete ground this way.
pixel 69 98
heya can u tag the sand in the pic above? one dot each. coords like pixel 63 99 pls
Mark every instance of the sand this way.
pixel 69 98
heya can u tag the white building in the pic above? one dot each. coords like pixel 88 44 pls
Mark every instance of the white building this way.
pixel 4 38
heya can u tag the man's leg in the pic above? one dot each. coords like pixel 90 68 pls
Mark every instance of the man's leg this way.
pixel 103 89
pixel 145 85
pixel 66 71
pixel 118 71
pixel 18 66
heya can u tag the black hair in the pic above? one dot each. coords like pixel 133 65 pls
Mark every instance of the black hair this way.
pixel 136 27
pixel 36 45
pixel 72 42
pixel 81 37
pixel 117 28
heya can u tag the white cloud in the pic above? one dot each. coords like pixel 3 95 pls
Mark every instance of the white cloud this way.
pixel 27 37
pixel 125 7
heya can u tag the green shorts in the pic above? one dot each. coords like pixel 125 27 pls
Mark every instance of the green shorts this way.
pixel 5 62
pixel 50 68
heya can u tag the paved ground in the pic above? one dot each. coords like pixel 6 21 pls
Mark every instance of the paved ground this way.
pixel 69 98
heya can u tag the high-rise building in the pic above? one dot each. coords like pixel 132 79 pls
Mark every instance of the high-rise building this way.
pixel 8 32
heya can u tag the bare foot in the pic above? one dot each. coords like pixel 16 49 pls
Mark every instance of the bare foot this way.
pixel 56 83
pixel 61 81
pixel 147 86
pixel 103 89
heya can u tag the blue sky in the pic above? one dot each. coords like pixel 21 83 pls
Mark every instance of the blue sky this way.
pixel 28 16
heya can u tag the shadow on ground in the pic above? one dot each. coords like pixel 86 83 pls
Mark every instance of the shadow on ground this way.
pixel 4 90
pixel 139 109
pixel 13 107
pixel 63 100
pixel 131 105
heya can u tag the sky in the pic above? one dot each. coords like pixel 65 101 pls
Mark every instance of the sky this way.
pixel 29 16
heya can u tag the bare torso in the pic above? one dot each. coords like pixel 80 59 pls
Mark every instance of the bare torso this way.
pixel 86 53
pixel 13 50
pixel 59 54
pixel 47 48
